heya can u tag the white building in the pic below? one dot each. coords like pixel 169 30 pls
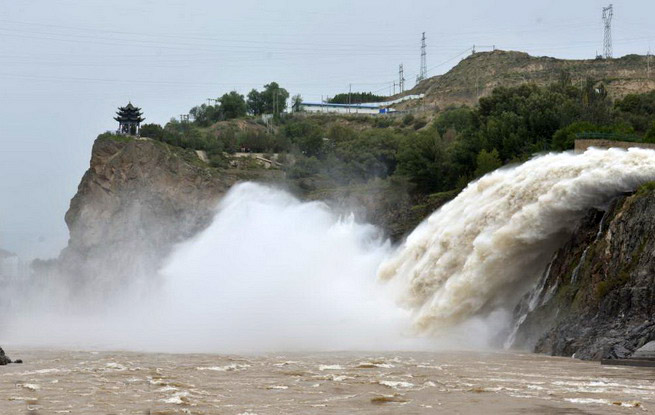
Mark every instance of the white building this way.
pixel 371 108
pixel 341 108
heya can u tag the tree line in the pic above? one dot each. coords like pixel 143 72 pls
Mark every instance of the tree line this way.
pixel 356 98
pixel 458 145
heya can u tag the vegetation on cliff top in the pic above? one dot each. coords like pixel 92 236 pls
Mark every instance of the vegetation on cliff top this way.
pixel 458 145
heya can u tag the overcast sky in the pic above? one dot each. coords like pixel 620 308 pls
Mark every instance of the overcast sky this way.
pixel 65 65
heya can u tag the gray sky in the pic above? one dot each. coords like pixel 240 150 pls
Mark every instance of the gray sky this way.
pixel 65 65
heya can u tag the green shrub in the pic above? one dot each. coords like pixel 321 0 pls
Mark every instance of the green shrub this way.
pixel 408 119
pixel 304 167
pixel 420 123
pixel 154 131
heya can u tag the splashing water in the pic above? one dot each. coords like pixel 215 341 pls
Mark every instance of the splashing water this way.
pixel 485 249
pixel 270 273
pixel 274 273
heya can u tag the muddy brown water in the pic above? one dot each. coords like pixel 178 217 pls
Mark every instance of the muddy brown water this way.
pixel 82 382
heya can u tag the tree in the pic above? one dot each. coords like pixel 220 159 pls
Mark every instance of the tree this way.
pixel 255 102
pixel 596 103
pixel 205 115
pixel 296 103
pixel 637 109
pixel 372 154
pixel 650 134
pixel 487 162
pixel 154 131
pixel 458 119
pixel 307 135
pixel 564 138
pixel 233 105
pixel 275 98
pixel 356 98
pixel 421 159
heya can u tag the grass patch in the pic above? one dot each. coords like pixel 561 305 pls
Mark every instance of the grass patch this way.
pixel 116 137
pixel 646 188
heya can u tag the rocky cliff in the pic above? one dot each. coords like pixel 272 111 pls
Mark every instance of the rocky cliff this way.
pixel 138 198
pixel 596 299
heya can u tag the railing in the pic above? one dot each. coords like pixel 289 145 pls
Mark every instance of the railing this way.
pixel 607 136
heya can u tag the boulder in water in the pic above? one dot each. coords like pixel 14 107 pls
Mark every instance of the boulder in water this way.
pixel 4 360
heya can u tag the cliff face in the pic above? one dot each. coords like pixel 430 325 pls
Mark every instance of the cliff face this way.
pixel 597 299
pixel 138 198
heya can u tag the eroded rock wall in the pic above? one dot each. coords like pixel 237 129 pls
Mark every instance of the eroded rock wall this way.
pixel 137 200
pixel 598 301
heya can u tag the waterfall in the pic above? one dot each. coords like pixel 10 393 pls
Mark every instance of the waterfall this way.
pixel 485 249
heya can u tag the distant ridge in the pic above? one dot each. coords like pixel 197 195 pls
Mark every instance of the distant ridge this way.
pixel 478 74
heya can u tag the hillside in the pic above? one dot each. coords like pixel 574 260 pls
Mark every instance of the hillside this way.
pixel 478 74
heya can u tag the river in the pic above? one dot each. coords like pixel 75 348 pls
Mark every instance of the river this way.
pixel 90 382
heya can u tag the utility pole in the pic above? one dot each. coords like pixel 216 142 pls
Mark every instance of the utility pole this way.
pixel 350 91
pixel 275 103
pixel 423 71
pixel 401 78
pixel 648 62
pixel 608 13
pixel 477 83
pixel 473 50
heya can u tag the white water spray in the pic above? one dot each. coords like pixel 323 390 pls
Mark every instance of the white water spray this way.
pixel 270 273
pixel 486 248
pixel 273 273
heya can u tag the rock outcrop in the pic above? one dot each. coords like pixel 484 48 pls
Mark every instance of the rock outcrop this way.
pixel 137 200
pixel 140 197
pixel 597 300
pixel 4 360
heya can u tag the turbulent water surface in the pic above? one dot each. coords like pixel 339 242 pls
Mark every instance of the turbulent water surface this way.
pixel 59 382
pixel 273 273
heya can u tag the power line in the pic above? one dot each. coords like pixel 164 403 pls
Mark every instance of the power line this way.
pixel 430 69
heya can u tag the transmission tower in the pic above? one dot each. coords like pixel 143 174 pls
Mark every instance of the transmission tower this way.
pixel 401 78
pixel 608 13
pixel 648 62
pixel 424 68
